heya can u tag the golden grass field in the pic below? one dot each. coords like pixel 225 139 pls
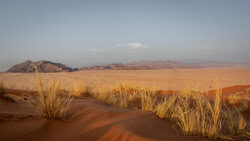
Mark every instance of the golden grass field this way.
pixel 160 79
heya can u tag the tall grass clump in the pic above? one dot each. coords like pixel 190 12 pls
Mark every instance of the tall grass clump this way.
pixel 148 99
pixel 50 104
pixel 199 116
pixel 216 121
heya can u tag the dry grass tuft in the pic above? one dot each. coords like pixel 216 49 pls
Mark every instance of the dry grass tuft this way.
pixel 81 89
pixel 196 115
pixel 148 101
pixel 125 88
pixel 50 105
pixel 105 95
pixel 166 107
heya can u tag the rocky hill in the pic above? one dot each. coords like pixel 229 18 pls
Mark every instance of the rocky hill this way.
pixel 42 66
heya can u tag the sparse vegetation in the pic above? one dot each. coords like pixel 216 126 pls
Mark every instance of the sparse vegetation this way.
pixel 190 109
pixel 50 105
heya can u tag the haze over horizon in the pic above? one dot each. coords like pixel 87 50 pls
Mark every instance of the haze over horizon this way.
pixel 82 33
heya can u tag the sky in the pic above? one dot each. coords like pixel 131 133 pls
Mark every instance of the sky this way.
pixel 83 33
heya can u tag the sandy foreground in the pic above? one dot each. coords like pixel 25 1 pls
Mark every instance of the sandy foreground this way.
pixel 203 79
pixel 92 120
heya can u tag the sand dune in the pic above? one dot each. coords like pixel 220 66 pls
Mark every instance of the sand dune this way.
pixel 91 120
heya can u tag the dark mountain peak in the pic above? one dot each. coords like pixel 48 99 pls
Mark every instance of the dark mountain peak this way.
pixel 42 66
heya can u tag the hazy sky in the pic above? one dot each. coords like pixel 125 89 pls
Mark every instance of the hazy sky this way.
pixel 79 33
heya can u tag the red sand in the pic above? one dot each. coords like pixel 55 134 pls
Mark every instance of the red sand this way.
pixel 231 90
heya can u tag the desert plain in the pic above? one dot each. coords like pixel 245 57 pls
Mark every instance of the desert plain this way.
pixel 203 79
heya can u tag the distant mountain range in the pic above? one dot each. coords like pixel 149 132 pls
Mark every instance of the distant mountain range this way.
pixel 47 66
pixel 140 65
pixel 165 64
pixel 42 66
